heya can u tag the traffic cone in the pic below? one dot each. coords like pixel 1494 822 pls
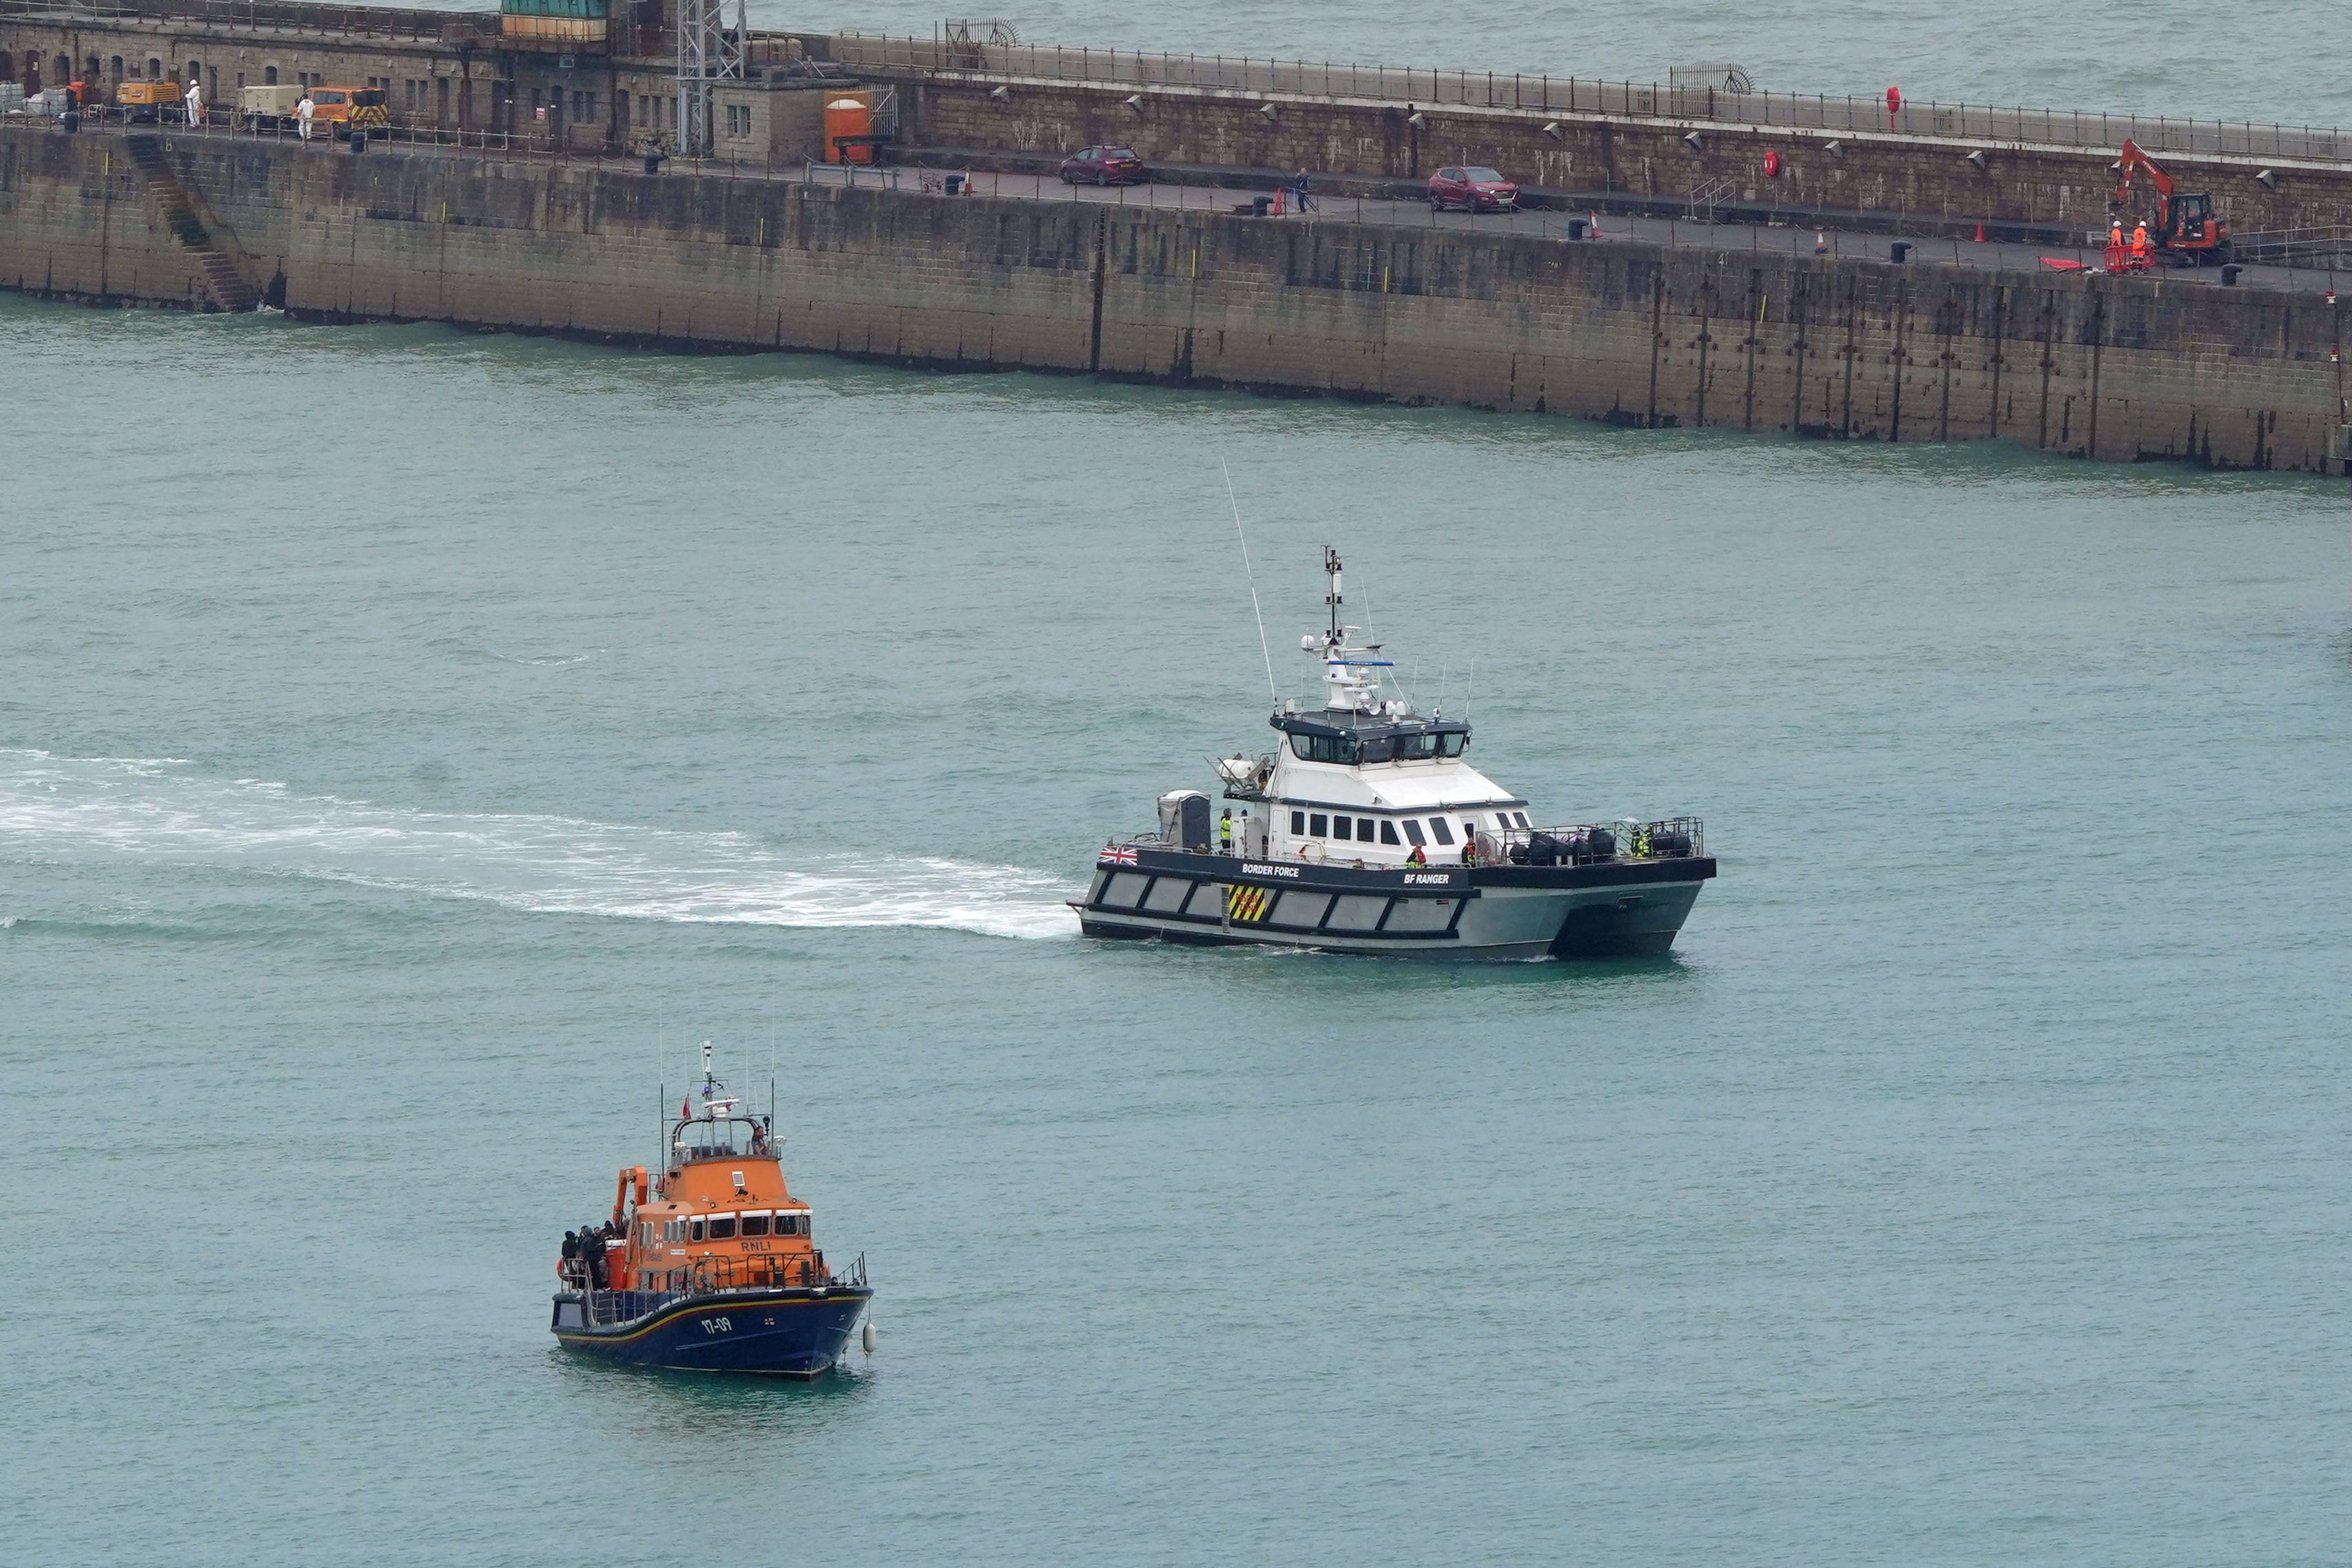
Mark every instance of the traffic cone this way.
pixel 1979 231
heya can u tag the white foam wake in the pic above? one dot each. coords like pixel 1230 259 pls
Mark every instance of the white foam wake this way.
pixel 155 810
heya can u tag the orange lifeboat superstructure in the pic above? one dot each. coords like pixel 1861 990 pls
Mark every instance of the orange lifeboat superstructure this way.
pixel 713 1264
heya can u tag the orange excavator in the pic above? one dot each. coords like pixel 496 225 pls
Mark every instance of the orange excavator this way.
pixel 2185 233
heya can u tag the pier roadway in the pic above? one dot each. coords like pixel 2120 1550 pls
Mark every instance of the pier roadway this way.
pixel 1773 240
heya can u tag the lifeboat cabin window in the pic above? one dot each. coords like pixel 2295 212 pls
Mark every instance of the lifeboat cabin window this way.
pixel 1437 824
pixel 722 1227
pixel 694 1229
pixel 755 1224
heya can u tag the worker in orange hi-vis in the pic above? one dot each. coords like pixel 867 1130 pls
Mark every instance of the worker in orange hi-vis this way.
pixel 2139 246
pixel 2116 244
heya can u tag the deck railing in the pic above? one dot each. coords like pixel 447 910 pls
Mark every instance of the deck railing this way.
pixel 1437 90
pixel 606 1307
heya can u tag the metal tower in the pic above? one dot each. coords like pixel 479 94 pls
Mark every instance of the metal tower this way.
pixel 708 51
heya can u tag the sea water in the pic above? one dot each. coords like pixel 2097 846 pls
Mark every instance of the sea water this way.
pixel 396 787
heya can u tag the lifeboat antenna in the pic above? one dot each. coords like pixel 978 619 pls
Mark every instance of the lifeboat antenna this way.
pixel 1264 651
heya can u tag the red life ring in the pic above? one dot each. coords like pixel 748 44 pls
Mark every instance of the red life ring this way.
pixel 1894 101
pixel 1771 165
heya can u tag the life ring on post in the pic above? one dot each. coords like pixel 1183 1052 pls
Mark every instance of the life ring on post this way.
pixel 1771 165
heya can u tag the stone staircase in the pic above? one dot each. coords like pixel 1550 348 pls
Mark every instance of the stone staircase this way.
pixel 226 285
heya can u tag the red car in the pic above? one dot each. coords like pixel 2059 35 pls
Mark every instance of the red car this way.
pixel 1104 166
pixel 1473 190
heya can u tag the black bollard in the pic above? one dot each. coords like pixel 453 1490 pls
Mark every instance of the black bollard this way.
pixel 1576 228
pixel 359 142
pixel 2230 271
pixel 1899 251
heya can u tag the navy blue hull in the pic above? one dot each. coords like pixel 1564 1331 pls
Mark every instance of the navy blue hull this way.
pixel 791 1333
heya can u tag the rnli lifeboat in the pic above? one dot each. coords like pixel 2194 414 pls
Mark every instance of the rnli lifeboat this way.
pixel 711 1264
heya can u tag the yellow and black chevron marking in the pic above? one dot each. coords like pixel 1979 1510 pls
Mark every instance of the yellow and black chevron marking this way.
pixel 1248 903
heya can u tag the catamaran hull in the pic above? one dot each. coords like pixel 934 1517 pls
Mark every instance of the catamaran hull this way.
pixel 1612 908
pixel 785 1333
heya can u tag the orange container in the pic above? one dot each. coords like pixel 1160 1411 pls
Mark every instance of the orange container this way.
pixel 848 117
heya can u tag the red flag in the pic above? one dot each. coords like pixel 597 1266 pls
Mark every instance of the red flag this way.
pixel 686 1109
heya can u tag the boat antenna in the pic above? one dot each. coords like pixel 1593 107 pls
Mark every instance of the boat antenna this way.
pixel 1264 652
pixel 772 1055
pixel 1468 686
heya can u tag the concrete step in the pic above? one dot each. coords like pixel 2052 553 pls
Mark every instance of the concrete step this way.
pixel 226 285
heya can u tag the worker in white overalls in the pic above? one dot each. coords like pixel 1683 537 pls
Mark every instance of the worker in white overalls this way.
pixel 195 104
pixel 302 113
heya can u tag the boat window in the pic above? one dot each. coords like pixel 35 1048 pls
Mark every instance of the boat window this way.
pixel 1364 829
pixel 722 1227
pixel 1438 826
pixel 1340 829
pixel 1415 748
pixel 1383 750
pixel 1413 834
pixel 1324 748
pixel 1388 831
pixel 1318 824
pixel 694 1229
pixel 755 1224
pixel 1451 745
pixel 1522 817
pixel 1297 822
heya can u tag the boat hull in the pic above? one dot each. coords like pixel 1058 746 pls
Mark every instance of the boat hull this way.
pixel 1608 909
pixel 782 1333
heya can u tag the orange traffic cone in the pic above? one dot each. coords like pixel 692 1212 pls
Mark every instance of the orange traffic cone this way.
pixel 1979 232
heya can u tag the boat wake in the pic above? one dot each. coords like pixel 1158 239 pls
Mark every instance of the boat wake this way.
pixel 157 812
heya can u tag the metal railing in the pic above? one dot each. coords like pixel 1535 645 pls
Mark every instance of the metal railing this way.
pixel 714 1276
pixel 1591 844
pixel 1441 90
pixel 262 15
pixel 2329 247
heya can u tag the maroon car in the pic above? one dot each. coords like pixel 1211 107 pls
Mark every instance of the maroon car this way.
pixel 1473 190
pixel 1104 166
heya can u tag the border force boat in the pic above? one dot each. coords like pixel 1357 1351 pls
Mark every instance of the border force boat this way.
pixel 712 1265
pixel 1365 831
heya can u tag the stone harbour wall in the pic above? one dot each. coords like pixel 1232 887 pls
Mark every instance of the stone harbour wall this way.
pixel 1869 170
pixel 2110 368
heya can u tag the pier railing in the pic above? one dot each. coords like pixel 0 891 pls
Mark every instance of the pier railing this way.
pixel 262 16
pixel 1438 90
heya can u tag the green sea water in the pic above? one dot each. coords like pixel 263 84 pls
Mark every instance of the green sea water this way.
pixel 392 785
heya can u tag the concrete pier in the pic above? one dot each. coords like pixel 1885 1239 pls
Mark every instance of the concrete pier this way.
pixel 1630 333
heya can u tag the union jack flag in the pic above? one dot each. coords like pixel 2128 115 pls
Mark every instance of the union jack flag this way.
pixel 1117 854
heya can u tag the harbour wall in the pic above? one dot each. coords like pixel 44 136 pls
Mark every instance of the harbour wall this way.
pixel 1866 171
pixel 2115 368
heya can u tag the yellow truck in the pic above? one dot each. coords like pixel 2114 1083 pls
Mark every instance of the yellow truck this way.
pixel 348 109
